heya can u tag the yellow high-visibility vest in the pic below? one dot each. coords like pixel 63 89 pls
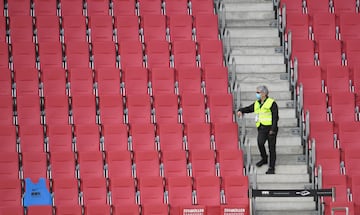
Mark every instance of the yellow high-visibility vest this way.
pixel 264 115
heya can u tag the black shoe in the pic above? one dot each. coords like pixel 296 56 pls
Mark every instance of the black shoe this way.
pixel 270 171
pixel 262 162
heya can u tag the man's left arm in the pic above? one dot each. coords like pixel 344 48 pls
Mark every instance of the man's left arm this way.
pixel 275 118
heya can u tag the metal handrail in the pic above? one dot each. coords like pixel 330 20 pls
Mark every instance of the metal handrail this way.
pixel 227 46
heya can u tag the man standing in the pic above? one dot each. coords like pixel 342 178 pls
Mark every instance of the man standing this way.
pixel 266 118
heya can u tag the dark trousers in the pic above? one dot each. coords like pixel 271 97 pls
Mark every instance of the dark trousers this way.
pixel 263 135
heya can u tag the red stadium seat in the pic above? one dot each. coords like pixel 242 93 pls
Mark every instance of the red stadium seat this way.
pixel 119 160
pixel 153 26
pixel 230 162
pixel 83 109
pixel 104 54
pixel 47 28
pixel 180 192
pixel 45 8
pixel 11 192
pixel 21 29
pixel 101 28
pixel 206 26
pixel 162 81
pixel 151 190
pixel 74 27
pixel 18 7
pixel 202 7
pixel 220 107
pixel 62 165
pixel 127 27
pixel 59 138
pixel 188 80
pixel 174 165
pixel 236 190
pixel 66 192
pixel 176 7
pixel 157 54
pixel 123 192
pixel 124 7
pixel 77 54
pixel 180 26
pixel 323 26
pixel 97 7
pixel 87 138
pixel 111 109
pixel 146 7
pixel 115 137
pixel 193 108
pixel 138 109
pixel 146 164
pixel 197 136
pixel 131 54
pixel 208 191
pixel 226 136
pixel 107 81
pixel 56 110
pixel 94 192
pixel 90 165
pixel 170 136
pixel 53 82
pixel 166 108
pixel 184 53
pixel 211 53
pixel 31 138
pixel 142 137
pixel 9 166
pixel 202 163
pixel 6 110
pixel 68 7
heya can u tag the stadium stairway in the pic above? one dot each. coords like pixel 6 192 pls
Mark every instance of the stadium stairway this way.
pixel 256 47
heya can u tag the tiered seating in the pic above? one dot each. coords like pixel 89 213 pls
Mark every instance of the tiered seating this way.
pixel 115 103
pixel 325 88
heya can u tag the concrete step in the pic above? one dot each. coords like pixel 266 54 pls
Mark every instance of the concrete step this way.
pixel 266 68
pixel 283 169
pixel 259 59
pixel 261 77
pixel 274 212
pixel 243 1
pixel 283 131
pixel 283 146
pixel 245 6
pixel 249 15
pixel 278 95
pixel 255 50
pixel 285 203
pixel 250 23
pixel 265 41
pixel 254 32
pixel 273 85
pixel 286 186
pixel 278 178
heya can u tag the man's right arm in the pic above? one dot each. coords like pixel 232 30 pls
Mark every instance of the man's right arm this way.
pixel 248 109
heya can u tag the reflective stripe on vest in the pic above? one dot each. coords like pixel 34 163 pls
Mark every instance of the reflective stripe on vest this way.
pixel 264 115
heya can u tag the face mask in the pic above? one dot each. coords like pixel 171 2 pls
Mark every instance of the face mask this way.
pixel 258 96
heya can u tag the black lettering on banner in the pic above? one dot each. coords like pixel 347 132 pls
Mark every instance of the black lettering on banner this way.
pixel 292 193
